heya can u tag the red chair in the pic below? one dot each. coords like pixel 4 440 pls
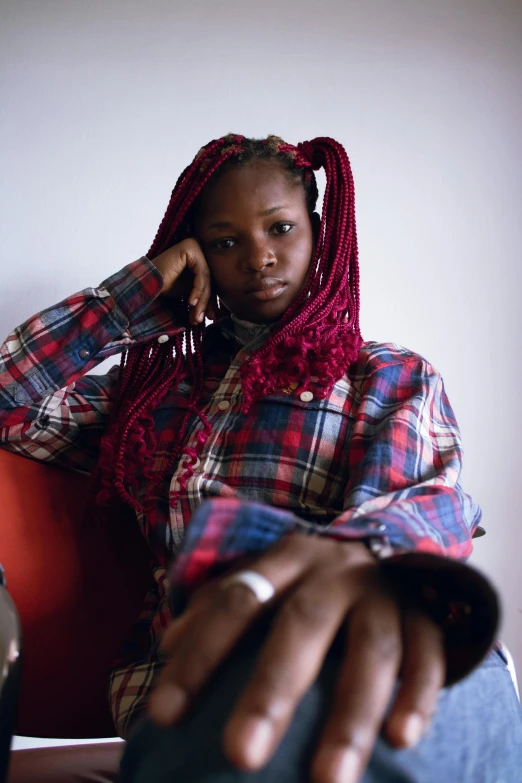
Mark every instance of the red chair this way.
pixel 78 584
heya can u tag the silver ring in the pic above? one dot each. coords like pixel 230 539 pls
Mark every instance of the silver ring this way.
pixel 259 585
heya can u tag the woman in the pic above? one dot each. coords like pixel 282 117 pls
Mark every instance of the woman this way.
pixel 330 467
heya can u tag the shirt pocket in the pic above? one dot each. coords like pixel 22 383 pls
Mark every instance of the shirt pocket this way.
pixel 292 453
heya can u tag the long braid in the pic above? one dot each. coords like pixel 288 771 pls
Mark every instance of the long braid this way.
pixel 316 339
pixel 326 314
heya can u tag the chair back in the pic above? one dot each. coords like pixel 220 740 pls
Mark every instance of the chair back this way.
pixel 78 584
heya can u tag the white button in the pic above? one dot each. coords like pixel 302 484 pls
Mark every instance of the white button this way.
pixel 163 338
pixel 306 396
pixel 224 405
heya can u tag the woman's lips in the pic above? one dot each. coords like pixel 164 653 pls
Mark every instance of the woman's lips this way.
pixel 268 288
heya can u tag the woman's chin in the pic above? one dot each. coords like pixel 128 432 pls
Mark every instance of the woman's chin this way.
pixel 258 311
pixel 256 317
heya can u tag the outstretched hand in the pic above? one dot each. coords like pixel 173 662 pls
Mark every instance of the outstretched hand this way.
pixel 320 584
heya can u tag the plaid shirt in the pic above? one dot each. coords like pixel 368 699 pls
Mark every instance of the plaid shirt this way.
pixel 379 458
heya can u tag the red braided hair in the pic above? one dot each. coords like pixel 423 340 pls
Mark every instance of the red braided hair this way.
pixel 315 341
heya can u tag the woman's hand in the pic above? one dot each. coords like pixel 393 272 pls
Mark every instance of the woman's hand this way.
pixel 320 584
pixel 185 272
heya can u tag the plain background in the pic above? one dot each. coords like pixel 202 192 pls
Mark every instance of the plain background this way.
pixel 103 103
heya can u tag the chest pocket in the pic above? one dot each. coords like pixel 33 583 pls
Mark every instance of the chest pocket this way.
pixel 292 452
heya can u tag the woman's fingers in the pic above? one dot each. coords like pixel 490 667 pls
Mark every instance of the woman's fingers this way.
pixel 197 643
pixel 423 675
pixel 201 287
pixel 365 686
pixel 210 628
pixel 289 663
pixel 184 268
pixel 318 583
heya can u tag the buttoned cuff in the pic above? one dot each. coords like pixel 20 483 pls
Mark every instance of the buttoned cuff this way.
pixel 134 287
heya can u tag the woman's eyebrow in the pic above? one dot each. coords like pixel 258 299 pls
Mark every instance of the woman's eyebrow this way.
pixel 270 211
pixel 263 213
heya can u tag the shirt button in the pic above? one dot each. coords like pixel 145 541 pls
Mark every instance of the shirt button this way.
pixel 84 353
pixel 306 396
pixel 224 405
pixel 163 338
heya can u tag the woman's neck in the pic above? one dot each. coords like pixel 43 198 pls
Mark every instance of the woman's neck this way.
pixel 246 331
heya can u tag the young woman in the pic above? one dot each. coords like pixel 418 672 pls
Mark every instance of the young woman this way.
pixel 299 490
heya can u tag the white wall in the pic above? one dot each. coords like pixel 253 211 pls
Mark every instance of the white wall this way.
pixel 103 103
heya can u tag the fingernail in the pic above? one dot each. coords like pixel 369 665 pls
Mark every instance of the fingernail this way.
pixel 412 728
pixel 256 741
pixel 193 302
pixel 200 317
pixel 344 765
pixel 167 703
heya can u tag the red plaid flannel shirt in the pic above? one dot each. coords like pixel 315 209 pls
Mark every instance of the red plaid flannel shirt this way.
pixel 379 458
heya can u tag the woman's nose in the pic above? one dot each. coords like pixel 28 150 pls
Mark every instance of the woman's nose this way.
pixel 258 257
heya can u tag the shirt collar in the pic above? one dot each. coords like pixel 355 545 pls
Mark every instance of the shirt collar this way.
pixel 245 333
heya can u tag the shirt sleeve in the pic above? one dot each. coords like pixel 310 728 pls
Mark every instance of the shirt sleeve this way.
pixel 405 462
pixel 49 408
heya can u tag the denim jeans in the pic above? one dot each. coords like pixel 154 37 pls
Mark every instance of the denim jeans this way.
pixel 475 735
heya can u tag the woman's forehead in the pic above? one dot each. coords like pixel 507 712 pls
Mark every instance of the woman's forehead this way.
pixel 258 183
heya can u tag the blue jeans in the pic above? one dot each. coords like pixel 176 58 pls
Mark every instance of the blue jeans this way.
pixel 475 736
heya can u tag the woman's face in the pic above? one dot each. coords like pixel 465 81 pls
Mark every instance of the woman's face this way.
pixel 255 231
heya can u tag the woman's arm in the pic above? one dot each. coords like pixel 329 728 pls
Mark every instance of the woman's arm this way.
pixel 405 458
pixel 49 408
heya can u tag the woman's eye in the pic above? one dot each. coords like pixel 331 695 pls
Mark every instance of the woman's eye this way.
pixel 283 228
pixel 223 244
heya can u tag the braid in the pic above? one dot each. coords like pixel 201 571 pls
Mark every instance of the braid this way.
pixel 324 320
pixel 316 339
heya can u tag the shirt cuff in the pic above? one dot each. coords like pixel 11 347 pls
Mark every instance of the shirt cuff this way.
pixel 457 597
pixel 134 287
